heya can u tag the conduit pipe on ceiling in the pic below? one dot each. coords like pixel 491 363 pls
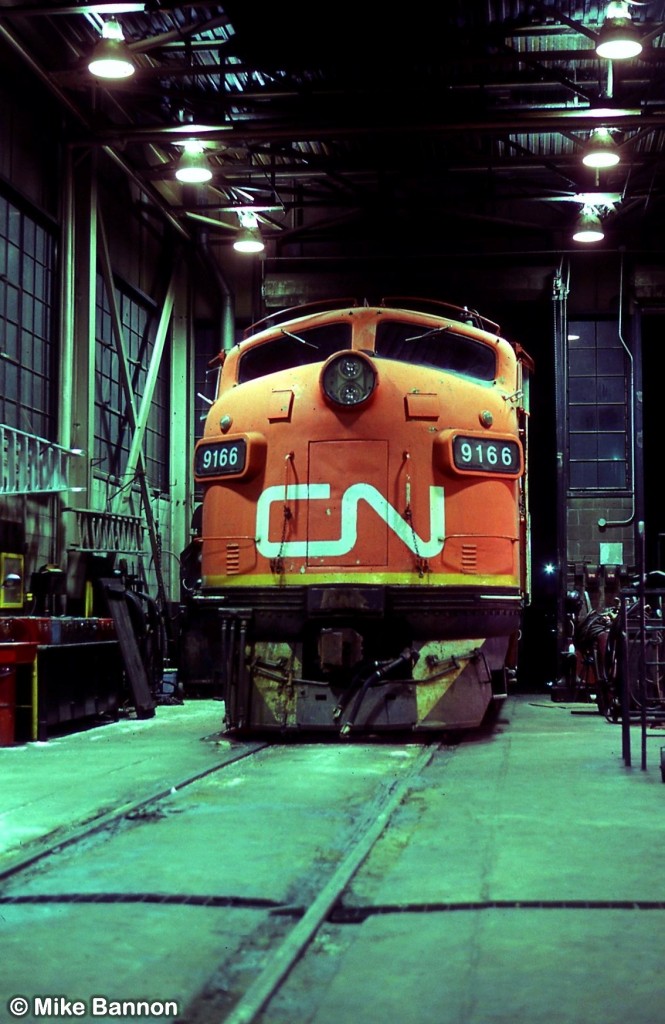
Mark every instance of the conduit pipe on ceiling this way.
pixel 560 292
pixel 604 524
pixel 227 326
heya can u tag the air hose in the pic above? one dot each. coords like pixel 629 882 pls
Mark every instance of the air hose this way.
pixel 379 672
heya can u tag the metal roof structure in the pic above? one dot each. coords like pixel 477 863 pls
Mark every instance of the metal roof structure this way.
pixel 459 127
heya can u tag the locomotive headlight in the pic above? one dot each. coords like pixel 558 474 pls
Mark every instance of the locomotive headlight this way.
pixel 348 378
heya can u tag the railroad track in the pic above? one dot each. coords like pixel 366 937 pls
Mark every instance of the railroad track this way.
pixel 348 794
pixel 39 849
pixel 282 960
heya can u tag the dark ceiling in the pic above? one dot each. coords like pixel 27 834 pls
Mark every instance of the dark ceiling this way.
pixel 457 127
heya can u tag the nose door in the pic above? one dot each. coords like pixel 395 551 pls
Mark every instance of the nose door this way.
pixel 344 527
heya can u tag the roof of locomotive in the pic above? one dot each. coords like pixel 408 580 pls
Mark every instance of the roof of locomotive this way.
pixel 462 315
pixel 429 313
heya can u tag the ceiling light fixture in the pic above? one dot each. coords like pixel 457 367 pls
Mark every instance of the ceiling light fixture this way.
pixel 588 228
pixel 193 168
pixel 111 57
pixel 601 150
pixel 618 38
pixel 248 238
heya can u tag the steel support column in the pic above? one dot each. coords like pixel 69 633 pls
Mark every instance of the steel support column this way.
pixel 77 316
pixel 181 402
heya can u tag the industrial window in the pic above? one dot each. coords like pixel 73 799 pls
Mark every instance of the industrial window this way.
pixel 27 256
pixel 113 432
pixel 598 407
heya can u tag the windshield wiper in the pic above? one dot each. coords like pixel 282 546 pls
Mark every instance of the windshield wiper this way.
pixel 428 334
pixel 297 338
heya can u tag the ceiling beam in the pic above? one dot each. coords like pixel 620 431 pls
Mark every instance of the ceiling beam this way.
pixel 526 121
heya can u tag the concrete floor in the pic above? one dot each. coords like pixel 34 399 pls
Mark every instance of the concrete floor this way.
pixel 47 788
pixel 542 812
pixel 537 853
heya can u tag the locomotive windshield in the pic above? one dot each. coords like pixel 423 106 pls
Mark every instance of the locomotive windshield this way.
pixel 294 348
pixel 441 348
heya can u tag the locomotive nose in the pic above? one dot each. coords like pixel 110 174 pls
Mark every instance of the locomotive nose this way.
pixel 348 379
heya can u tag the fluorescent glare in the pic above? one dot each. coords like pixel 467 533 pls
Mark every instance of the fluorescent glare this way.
pixel 619 48
pixel 600 159
pixel 112 30
pixel 193 175
pixel 595 200
pixel 588 236
pixel 113 8
pixel 249 240
pixel 201 129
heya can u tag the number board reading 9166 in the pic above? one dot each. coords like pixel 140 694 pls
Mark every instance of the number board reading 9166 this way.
pixel 486 455
pixel 220 458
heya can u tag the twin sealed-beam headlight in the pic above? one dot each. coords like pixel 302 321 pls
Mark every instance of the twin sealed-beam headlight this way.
pixel 348 378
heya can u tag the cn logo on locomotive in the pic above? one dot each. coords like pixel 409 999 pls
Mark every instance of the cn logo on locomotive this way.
pixel 349 516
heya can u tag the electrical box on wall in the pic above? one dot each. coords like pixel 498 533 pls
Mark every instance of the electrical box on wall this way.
pixel 11 580
pixel 611 553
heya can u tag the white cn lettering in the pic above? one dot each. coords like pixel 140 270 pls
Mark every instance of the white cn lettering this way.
pixel 353 494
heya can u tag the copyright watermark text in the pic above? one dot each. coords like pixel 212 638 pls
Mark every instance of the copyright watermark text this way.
pixel 97 1006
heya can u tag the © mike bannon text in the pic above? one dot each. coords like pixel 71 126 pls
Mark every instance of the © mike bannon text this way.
pixel 96 1006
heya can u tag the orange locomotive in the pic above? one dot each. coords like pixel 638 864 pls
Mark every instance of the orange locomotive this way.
pixel 364 528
